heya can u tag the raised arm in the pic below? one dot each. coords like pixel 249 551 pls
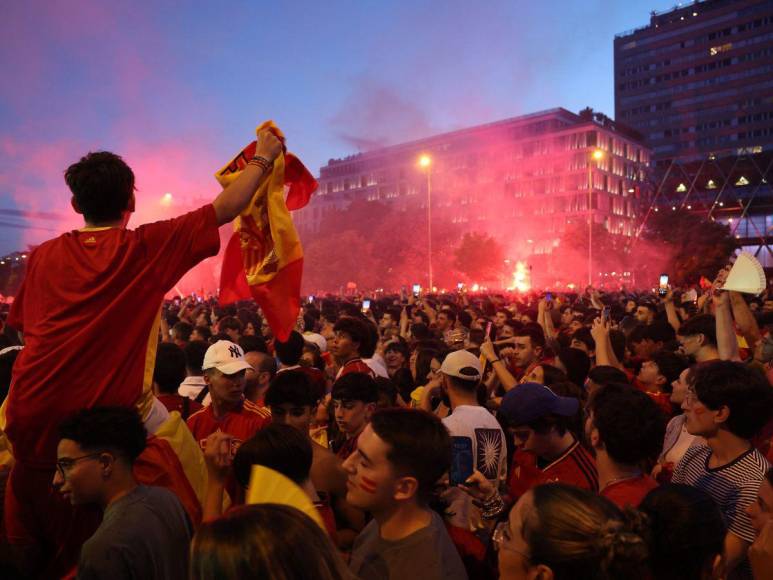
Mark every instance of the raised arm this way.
pixel 235 198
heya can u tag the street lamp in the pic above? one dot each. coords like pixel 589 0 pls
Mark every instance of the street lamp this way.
pixel 425 162
pixel 596 156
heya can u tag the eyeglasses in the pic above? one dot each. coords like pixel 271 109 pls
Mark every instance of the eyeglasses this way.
pixel 500 536
pixel 63 466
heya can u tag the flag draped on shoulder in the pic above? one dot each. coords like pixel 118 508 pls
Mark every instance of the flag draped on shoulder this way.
pixel 264 258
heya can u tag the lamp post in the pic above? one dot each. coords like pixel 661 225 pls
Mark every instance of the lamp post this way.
pixel 596 156
pixel 425 161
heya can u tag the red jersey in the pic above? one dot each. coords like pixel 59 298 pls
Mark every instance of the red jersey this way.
pixel 241 424
pixel 575 467
pixel 355 366
pixel 89 308
pixel 183 405
pixel 629 491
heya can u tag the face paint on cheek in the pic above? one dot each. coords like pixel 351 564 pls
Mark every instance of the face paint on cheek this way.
pixel 368 485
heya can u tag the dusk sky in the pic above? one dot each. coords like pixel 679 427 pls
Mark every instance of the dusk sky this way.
pixel 177 88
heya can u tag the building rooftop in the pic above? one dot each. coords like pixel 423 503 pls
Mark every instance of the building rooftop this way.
pixel 682 12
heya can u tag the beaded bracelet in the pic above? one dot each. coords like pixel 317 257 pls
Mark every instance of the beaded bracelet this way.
pixel 493 508
pixel 261 162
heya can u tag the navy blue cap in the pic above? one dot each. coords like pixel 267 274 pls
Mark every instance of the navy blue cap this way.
pixel 528 402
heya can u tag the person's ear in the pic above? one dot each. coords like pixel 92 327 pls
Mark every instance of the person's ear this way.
pixel 75 206
pixel 595 439
pixel 132 203
pixel 540 572
pixel 406 488
pixel 107 460
pixel 370 408
pixel 661 380
pixel 722 414
pixel 207 380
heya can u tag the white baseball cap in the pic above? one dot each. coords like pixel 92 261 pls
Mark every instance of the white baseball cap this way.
pixel 463 365
pixel 225 356
pixel 316 339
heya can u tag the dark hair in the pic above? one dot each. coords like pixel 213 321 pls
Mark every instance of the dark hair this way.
pixel 537 337
pixel 465 318
pixel 744 391
pixel 704 324
pixel 577 364
pixel 356 329
pixel 552 374
pixel 102 185
pixel 169 370
pixel 117 429
pixel 617 339
pixel 419 445
pixel 670 365
pixel 194 355
pixel 450 314
pixel 424 358
pixel 543 425
pixel 769 475
pixel 230 323
pixel 658 331
pixel 387 392
pixel 650 306
pixel 420 330
pixel 584 336
pixel 686 531
pixel 368 348
pixel 355 387
pixel 204 331
pixel 250 343
pixel 605 374
pixel 290 351
pixel 182 330
pixel 294 387
pixel 279 447
pixel 244 543
pixel 583 536
pixel 630 424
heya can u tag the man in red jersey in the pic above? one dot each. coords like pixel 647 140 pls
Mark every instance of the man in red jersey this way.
pixel 626 428
pixel 224 368
pixel 547 451
pixel 79 288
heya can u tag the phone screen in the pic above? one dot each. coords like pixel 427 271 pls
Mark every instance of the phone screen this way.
pixel 605 313
pixel 488 330
pixel 663 288
pixel 548 297
pixel 311 299
pixel 416 289
pixel 365 305
pixel 461 460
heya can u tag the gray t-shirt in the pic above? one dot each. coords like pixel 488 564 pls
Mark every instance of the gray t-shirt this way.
pixel 143 535
pixel 427 553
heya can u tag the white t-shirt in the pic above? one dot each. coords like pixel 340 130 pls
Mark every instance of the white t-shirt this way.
pixel 474 428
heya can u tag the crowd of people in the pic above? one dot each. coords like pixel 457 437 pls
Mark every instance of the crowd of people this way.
pixel 540 435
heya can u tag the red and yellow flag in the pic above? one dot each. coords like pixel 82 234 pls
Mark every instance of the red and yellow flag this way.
pixel 264 259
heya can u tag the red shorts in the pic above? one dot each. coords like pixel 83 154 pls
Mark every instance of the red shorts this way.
pixel 38 518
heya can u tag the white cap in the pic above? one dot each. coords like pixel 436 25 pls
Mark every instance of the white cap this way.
pixel 225 356
pixel 463 365
pixel 316 339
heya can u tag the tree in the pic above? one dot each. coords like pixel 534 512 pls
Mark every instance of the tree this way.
pixel 479 257
pixel 695 246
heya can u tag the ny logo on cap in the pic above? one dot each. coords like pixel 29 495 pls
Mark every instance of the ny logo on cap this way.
pixel 235 351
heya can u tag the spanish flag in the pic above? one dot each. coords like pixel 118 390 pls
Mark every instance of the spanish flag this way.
pixel 264 259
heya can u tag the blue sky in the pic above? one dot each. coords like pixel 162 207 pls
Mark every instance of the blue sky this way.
pixel 178 87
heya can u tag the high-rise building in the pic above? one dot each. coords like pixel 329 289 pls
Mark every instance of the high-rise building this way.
pixel 523 179
pixel 697 83
pixel 698 80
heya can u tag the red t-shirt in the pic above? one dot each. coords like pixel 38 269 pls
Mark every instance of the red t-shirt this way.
pixel 575 467
pixel 629 492
pixel 241 424
pixel 89 308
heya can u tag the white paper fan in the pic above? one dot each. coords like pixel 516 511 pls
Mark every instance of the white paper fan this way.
pixel 746 275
